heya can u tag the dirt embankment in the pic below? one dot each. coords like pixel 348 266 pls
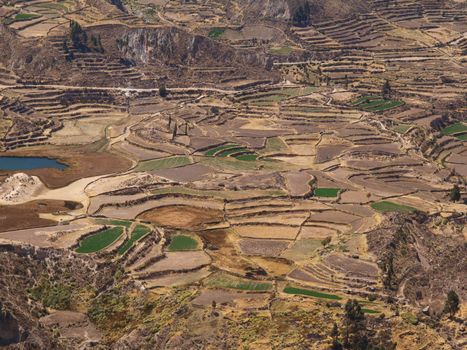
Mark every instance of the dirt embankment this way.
pixel 27 215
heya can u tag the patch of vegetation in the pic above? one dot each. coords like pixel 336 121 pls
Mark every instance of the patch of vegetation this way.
pixel 110 306
pixel 373 103
pixel 78 36
pixel 118 311
pixel 390 207
pixel 369 311
pixel 100 240
pixel 215 33
pixel 54 294
pixel 138 233
pixel 247 157
pixel 451 305
pixel 410 318
pixel 311 293
pixel 228 152
pixel 230 282
pixel 281 51
pixel 21 17
pixel 458 130
pixel 233 151
pixel 402 128
pixel 274 144
pixel 165 163
pixel 326 192
pixel 163 92
pixel 182 243
pixel 212 151
pixel 301 16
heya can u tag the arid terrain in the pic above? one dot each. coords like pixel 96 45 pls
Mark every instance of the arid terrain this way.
pixel 233 174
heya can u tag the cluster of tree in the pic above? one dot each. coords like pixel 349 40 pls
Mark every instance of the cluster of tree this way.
pixel 78 36
pixel 302 15
pixel 163 92
pixel 70 56
pixel 451 306
pixel 79 39
pixel 355 334
pixel 387 90
pixel 455 194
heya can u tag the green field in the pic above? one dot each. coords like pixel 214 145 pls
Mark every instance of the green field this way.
pixel 401 128
pixel 238 283
pixel 326 192
pixel 247 157
pixel 233 150
pixel 165 163
pixel 311 293
pixel 274 144
pixel 458 130
pixel 363 99
pixel 390 207
pixel 369 311
pixel 100 240
pixel 281 51
pixel 212 151
pixel 20 17
pixel 216 32
pixel 139 232
pixel 182 243
pixel 376 103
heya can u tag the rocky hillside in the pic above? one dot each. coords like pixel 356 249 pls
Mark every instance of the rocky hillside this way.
pixel 422 258
pixel 34 280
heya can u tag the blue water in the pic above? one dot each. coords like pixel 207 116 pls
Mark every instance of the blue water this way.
pixel 29 163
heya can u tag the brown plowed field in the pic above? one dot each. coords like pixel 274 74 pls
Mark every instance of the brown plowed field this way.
pixel 182 216
pixel 24 216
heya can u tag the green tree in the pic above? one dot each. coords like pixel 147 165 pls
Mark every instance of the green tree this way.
pixel 163 91
pixel 301 16
pixel 355 329
pixel 455 193
pixel 387 90
pixel 451 306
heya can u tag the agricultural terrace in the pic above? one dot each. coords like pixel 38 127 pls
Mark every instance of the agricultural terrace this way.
pixel 138 233
pixel 182 243
pixel 99 241
pixel 390 207
pixel 230 282
pixel 326 192
pixel 216 32
pixel 311 293
pixel 458 130
pixel 376 103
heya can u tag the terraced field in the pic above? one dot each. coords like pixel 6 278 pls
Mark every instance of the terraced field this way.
pixel 99 241
pixel 222 152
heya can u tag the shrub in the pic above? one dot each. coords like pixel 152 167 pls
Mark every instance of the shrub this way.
pixel 163 91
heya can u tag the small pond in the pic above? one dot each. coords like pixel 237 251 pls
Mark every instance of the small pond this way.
pixel 29 163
